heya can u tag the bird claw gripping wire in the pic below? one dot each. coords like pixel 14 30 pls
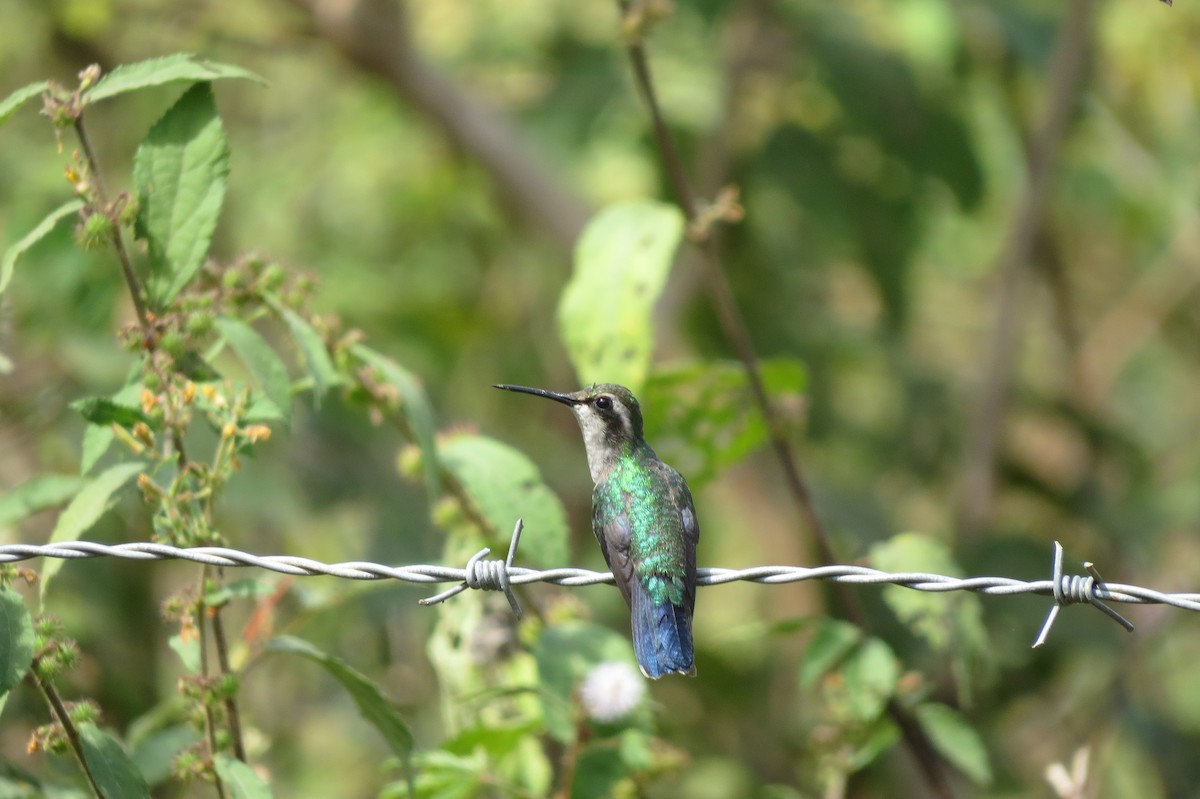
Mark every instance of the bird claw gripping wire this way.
pixel 1076 588
pixel 487 575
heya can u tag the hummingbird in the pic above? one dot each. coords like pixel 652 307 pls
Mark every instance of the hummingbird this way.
pixel 644 521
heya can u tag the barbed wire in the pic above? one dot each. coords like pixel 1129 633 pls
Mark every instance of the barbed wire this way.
pixel 501 575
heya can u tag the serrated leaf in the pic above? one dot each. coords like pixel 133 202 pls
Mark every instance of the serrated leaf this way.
pixel 316 358
pixel 266 367
pixel 828 646
pixel 180 171
pixel 160 71
pixel 622 261
pixel 702 417
pixel 505 485
pixel 96 439
pixel 110 765
pixel 9 262
pixel 951 624
pixel 414 404
pixel 564 654
pixel 103 411
pixel 88 505
pixel 957 741
pixel 37 494
pixel 240 780
pixel 376 708
pixel 10 104
pixel 16 639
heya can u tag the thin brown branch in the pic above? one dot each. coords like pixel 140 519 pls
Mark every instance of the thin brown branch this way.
pixel 210 719
pixel 233 717
pixel 375 35
pixel 735 330
pixel 979 474
pixel 59 710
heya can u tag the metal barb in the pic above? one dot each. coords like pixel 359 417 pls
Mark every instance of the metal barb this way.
pixel 487 575
pixel 1074 589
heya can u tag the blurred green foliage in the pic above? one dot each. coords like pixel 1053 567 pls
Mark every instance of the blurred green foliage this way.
pixel 881 152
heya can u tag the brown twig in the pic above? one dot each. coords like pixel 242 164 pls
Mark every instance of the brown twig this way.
pixel 210 719
pixel 233 717
pixel 735 330
pixel 64 719
pixel 979 472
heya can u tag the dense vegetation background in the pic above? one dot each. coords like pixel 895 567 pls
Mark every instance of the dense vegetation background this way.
pixel 974 224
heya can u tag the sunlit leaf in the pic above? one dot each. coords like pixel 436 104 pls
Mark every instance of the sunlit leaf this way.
pixel 316 358
pixel 262 361
pixel 37 494
pixel 85 509
pixel 622 261
pixel 110 765
pixel 505 485
pixel 160 71
pixel 181 171
pixel 10 104
pixel 16 639
pixel 9 262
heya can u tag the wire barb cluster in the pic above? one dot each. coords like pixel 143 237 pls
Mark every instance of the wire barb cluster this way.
pixel 501 575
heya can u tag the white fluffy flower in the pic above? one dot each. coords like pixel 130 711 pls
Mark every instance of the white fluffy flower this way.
pixel 611 691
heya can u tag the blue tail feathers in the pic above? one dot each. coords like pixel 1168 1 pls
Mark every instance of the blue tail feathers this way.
pixel 662 636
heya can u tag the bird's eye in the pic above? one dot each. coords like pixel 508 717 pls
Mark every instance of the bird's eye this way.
pixel 604 403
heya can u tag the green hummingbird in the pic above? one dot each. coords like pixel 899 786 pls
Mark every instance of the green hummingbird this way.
pixel 645 522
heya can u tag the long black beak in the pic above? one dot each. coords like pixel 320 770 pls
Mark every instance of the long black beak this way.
pixel 565 399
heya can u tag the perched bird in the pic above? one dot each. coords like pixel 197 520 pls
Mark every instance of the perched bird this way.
pixel 643 517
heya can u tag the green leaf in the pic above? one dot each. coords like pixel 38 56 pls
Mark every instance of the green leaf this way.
pixel 268 370
pixel 597 773
pixel 9 262
pixel 702 416
pixel 378 710
pixel 240 780
pixel 188 651
pixel 154 751
pixel 952 624
pixel 622 261
pixel 160 71
pixel 956 740
pixel 104 412
pixel 88 505
pixel 316 358
pixel 505 485
pixel 869 678
pixel 97 439
pixel 37 494
pixel 564 654
pixel 110 765
pixel 10 104
pixel 414 404
pixel 828 646
pixel 16 639
pixel 180 171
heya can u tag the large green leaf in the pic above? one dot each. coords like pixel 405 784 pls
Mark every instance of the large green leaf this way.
pixel 701 416
pixel 505 485
pixel 241 781
pixel 181 171
pixel 9 262
pixel 16 639
pixel 37 494
pixel 110 765
pixel 267 368
pixel 376 708
pixel 622 261
pixel 160 71
pixel 88 505
pixel 10 104
pixel 414 404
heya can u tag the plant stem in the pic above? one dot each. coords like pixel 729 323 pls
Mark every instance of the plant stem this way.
pixel 64 719
pixel 231 708
pixel 210 721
